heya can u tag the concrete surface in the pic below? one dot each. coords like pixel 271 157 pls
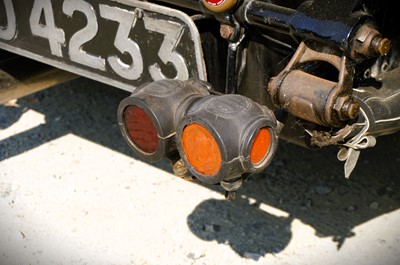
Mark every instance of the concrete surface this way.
pixel 72 193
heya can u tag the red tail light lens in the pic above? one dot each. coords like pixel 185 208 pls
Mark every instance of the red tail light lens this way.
pixel 141 129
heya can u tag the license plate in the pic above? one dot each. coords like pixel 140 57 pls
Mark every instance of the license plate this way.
pixel 119 42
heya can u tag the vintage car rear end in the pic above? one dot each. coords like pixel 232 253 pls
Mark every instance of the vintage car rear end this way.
pixel 217 83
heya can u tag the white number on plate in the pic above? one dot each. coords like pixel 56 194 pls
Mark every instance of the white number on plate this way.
pixel 8 32
pixel 123 43
pixel 172 35
pixel 86 34
pixel 42 25
pixel 48 30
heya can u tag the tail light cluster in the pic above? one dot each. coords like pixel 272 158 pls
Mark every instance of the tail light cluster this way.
pixel 222 137
pixel 218 137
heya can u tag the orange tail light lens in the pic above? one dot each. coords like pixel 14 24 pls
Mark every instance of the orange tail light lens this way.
pixel 260 146
pixel 141 129
pixel 201 149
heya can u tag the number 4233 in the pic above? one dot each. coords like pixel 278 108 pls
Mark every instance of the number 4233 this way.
pixel 42 24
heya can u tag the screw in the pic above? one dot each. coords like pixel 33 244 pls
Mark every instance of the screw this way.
pixel 230 195
pixel 180 170
pixel 350 109
pixel 226 31
pixel 139 13
pixel 369 42
pixel 381 45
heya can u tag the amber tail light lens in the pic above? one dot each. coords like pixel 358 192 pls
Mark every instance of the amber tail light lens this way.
pixel 201 149
pixel 261 144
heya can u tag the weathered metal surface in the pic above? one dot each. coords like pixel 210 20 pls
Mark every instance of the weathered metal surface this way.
pixel 313 98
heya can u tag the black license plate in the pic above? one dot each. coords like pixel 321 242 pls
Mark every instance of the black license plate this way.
pixel 120 42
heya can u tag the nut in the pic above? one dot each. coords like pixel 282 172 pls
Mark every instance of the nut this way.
pixel 369 42
pixel 351 109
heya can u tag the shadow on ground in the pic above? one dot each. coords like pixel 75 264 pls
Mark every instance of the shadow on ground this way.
pixel 307 185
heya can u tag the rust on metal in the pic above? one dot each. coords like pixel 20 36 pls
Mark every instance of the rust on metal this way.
pixel 180 170
pixel 226 31
pixel 313 98
pixel 369 42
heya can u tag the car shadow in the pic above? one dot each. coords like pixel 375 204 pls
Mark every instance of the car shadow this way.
pixel 248 230
pixel 312 189
pixel 308 185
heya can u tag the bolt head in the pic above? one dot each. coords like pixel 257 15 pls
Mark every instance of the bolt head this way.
pixel 352 109
pixel 383 46
pixel 226 31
